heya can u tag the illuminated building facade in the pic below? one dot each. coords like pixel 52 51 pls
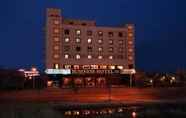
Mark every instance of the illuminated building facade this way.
pixel 80 51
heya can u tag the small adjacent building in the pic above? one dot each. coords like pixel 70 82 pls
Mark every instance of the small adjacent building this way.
pixel 80 52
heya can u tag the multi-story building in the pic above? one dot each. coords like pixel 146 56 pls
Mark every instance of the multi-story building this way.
pixel 87 54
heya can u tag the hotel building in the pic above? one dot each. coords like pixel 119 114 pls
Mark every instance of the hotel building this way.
pixel 80 52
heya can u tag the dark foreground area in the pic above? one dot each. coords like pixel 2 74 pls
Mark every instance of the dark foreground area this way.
pixel 98 110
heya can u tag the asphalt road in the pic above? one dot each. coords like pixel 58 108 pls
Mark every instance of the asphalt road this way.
pixel 91 95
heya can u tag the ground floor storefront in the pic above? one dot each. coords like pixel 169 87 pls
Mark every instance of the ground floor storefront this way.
pixel 95 80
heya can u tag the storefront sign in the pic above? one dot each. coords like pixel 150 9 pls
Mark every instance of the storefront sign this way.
pixel 95 71
pixel 58 71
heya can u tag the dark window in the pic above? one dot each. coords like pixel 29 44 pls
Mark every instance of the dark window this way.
pixel 89 49
pixel 120 34
pixel 120 56
pixel 71 23
pixel 131 66
pixel 78 48
pixel 67 32
pixel 89 33
pixel 66 48
pixel 111 49
pixel 111 34
pixel 84 24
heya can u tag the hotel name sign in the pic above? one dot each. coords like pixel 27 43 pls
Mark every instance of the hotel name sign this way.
pixel 95 71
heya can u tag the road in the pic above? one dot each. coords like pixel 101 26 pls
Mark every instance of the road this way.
pixel 91 95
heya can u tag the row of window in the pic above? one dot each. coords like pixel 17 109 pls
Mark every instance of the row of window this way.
pixel 78 56
pixel 76 67
pixel 90 49
pixel 90 33
pixel 89 40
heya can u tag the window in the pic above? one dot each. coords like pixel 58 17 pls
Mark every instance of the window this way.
pixel 111 34
pixel 120 34
pixel 120 67
pixel 56 56
pixel 76 67
pixel 78 32
pixel 89 40
pixel 100 41
pixel 67 39
pixel 78 40
pixel 110 41
pixel 56 22
pixel 94 66
pixel 56 47
pixel 112 67
pixel 100 57
pixel 121 42
pixel 100 49
pixel 56 39
pixel 103 67
pixel 77 56
pixel 120 49
pixel 56 66
pixel 100 33
pixel 78 48
pixel 67 66
pixel 89 49
pixel 130 42
pixel 110 57
pixel 131 66
pixel 89 33
pixel 120 56
pixel 56 30
pixel 130 58
pixel 130 50
pixel 66 48
pixel 71 23
pixel 130 34
pixel 84 24
pixel 111 49
pixel 66 56
pixel 130 27
pixel 67 31
pixel 89 56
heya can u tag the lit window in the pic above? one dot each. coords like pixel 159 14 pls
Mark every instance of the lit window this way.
pixel 78 40
pixel 130 42
pixel 120 41
pixel 56 39
pixel 76 67
pixel 130 34
pixel 130 27
pixel 110 57
pixel 110 41
pixel 78 32
pixel 100 33
pixel 67 66
pixel 100 57
pixel 130 58
pixel 111 67
pixel 66 56
pixel 100 41
pixel 120 67
pixel 111 49
pixel 56 30
pixel 100 49
pixel 56 66
pixel 94 66
pixel 56 56
pixel 89 40
pixel 77 56
pixel 56 47
pixel 103 67
pixel 89 56
pixel 67 39
pixel 56 22
pixel 130 50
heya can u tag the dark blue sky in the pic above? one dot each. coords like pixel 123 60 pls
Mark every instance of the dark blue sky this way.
pixel 160 29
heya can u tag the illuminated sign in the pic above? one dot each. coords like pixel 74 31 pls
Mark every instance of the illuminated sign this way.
pixel 58 71
pixel 96 71
pixel 128 71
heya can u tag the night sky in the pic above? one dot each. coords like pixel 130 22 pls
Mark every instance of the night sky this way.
pixel 160 29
